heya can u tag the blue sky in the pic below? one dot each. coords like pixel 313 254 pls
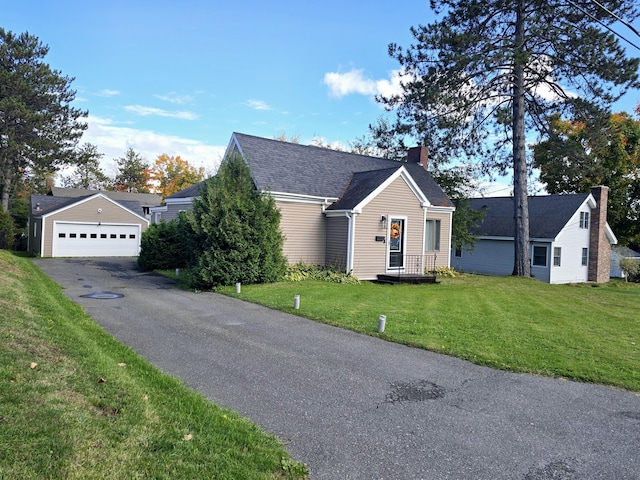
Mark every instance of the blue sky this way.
pixel 180 77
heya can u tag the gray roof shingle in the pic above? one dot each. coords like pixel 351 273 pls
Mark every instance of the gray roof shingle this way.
pixel 548 214
pixel 285 167
pixel 144 199
pixel 43 204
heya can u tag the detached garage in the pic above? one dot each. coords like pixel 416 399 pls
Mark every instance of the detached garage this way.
pixel 89 226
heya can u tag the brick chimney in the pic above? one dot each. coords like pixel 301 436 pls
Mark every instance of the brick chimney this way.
pixel 599 247
pixel 419 155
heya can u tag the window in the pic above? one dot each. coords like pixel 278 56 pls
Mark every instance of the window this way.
pixel 113 235
pixel 83 235
pixel 62 235
pixel 540 256
pixel 557 253
pixel 584 220
pixel 123 235
pixel 585 257
pixel 103 235
pixel 432 237
pixel 72 235
pixel 133 235
pixel 94 235
pixel 458 253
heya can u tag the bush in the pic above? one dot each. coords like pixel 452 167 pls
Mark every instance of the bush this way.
pixel 631 268
pixel 301 271
pixel 166 245
pixel 7 231
pixel 444 272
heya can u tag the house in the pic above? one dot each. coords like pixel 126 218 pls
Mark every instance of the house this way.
pixel 88 223
pixel 570 239
pixel 366 215
pixel 619 253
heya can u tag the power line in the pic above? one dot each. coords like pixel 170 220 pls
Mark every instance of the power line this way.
pixel 603 24
pixel 631 27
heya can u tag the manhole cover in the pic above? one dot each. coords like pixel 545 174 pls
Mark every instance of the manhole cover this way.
pixel 414 392
pixel 103 295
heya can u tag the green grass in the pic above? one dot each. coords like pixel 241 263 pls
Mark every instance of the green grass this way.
pixel 76 404
pixel 583 332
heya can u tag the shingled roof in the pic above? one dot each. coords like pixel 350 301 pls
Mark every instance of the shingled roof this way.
pixel 548 214
pixel 283 167
pixel 144 199
pixel 43 204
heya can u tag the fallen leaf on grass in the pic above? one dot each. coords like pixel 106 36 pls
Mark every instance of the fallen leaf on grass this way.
pixel 188 437
pixel 33 365
pixel 122 364
pixel 101 380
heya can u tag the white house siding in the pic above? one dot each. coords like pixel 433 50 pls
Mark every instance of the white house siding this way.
pixel 489 257
pixel 303 226
pixel 397 200
pixel 572 239
pixel 336 241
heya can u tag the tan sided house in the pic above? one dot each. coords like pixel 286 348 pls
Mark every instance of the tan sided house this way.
pixel 366 215
pixel 86 223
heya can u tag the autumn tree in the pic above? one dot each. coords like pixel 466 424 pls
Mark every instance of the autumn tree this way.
pixel 591 149
pixel 486 72
pixel 172 174
pixel 87 173
pixel 38 126
pixel 133 174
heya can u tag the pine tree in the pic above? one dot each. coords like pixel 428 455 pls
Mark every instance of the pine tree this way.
pixel 489 71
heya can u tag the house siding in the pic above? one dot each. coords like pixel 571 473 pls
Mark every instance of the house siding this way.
pixel 572 239
pixel 173 210
pixel 336 242
pixel 87 212
pixel 442 256
pixel 489 257
pixel 303 226
pixel 397 200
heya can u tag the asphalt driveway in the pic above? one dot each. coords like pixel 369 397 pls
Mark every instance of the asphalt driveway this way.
pixel 356 407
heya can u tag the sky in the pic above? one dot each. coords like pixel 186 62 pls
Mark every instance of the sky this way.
pixel 180 77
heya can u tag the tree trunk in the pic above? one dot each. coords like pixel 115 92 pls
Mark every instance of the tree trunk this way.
pixel 5 189
pixel 521 265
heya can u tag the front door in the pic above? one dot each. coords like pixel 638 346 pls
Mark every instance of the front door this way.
pixel 396 243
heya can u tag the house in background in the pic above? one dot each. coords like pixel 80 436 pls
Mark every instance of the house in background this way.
pixel 619 253
pixel 366 215
pixel 569 235
pixel 88 223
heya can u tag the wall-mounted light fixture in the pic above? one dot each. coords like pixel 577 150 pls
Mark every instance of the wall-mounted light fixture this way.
pixel 383 220
pixel 99 210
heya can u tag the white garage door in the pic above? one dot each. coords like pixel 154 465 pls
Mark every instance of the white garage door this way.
pixel 91 240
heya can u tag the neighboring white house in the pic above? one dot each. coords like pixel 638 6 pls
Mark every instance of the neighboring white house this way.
pixel 569 236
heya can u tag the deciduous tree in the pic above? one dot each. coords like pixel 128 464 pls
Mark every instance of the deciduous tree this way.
pixel 486 72
pixel 173 174
pixel 38 126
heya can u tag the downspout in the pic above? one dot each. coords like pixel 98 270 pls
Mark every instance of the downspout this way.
pixel 350 240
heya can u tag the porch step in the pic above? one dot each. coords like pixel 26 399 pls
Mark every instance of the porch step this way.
pixel 406 278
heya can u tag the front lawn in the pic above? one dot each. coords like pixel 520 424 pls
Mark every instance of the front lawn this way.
pixel 585 332
pixel 77 404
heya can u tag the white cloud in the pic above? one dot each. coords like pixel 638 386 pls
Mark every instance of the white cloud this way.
pixel 354 81
pixel 113 141
pixel 108 93
pixel 258 105
pixel 159 112
pixel 176 99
